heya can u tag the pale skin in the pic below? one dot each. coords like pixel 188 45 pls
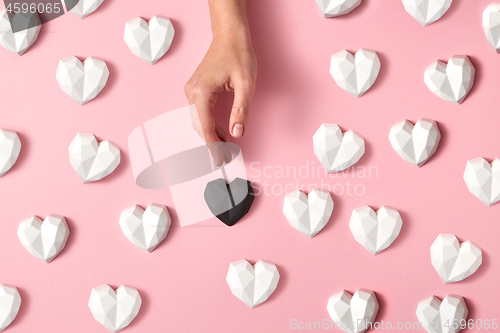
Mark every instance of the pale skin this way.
pixel 229 65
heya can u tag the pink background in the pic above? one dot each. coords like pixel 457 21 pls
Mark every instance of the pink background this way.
pixel 182 283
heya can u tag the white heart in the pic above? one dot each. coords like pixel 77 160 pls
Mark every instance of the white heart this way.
pixel 252 284
pixel 334 8
pixel 491 25
pixel 10 302
pixel 453 81
pixel 84 8
pixel 149 41
pixel 455 261
pixel 308 213
pixel 353 313
pixel 115 310
pixel 10 147
pixel 93 161
pixel 355 73
pixel 375 231
pixel 44 239
pixel 427 11
pixel 146 228
pixel 442 317
pixel 20 41
pixel 337 151
pixel 82 81
pixel 483 179
pixel 415 143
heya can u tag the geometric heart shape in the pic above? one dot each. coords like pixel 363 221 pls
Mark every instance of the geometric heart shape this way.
pixel 355 73
pixel 82 81
pixel 115 310
pixel 10 302
pixel 84 8
pixel 443 317
pixel 44 239
pixel 91 160
pixel 483 179
pixel 337 151
pixel 252 284
pixel 415 143
pixel 146 228
pixel 10 147
pixel 453 81
pixel 20 41
pixel 427 11
pixel 455 261
pixel 334 8
pixel 353 313
pixel 229 202
pixel 375 231
pixel 149 41
pixel 491 25
pixel 308 213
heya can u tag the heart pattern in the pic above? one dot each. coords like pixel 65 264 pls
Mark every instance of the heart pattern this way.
pixel 309 214
pixel 20 41
pixel 10 302
pixel 445 316
pixel 483 179
pixel 375 231
pixel 10 148
pixel 355 73
pixel 149 41
pixel 44 239
pixel 427 11
pixel 336 150
pixel 82 81
pixel 415 143
pixel 146 228
pixel 453 81
pixel 353 313
pixel 455 261
pixel 114 309
pixel 84 8
pixel 491 25
pixel 334 8
pixel 252 284
pixel 91 160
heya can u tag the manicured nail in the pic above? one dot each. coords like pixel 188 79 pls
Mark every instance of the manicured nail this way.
pixel 238 130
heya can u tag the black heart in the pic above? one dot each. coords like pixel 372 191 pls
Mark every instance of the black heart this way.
pixel 229 202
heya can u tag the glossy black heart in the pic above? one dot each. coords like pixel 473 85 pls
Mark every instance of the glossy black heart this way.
pixel 229 202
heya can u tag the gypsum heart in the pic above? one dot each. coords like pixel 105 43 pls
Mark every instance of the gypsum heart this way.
pixel 229 202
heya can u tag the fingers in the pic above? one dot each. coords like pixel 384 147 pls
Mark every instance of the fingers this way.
pixel 243 93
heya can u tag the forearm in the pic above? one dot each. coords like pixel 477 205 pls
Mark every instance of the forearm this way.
pixel 229 21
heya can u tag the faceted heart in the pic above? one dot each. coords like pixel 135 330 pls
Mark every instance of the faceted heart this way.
pixel 483 179
pixel 229 202
pixel 91 160
pixel 10 302
pixel 308 213
pixel 427 11
pixel 252 284
pixel 44 239
pixel 355 73
pixel 27 27
pixel 353 313
pixel 415 143
pixel 84 8
pixel 375 231
pixel 455 261
pixel 491 25
pixel 82 81
pixel 334 8
pixel 149 41
pixel 146 228
pixel 447 316
pixel 115 310
pixel 337 151
pixel 10 147
pixel 453 81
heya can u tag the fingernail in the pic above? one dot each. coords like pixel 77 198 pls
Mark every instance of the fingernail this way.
pixel 238 130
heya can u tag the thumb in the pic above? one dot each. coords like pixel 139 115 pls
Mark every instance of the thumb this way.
pixel 240 112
